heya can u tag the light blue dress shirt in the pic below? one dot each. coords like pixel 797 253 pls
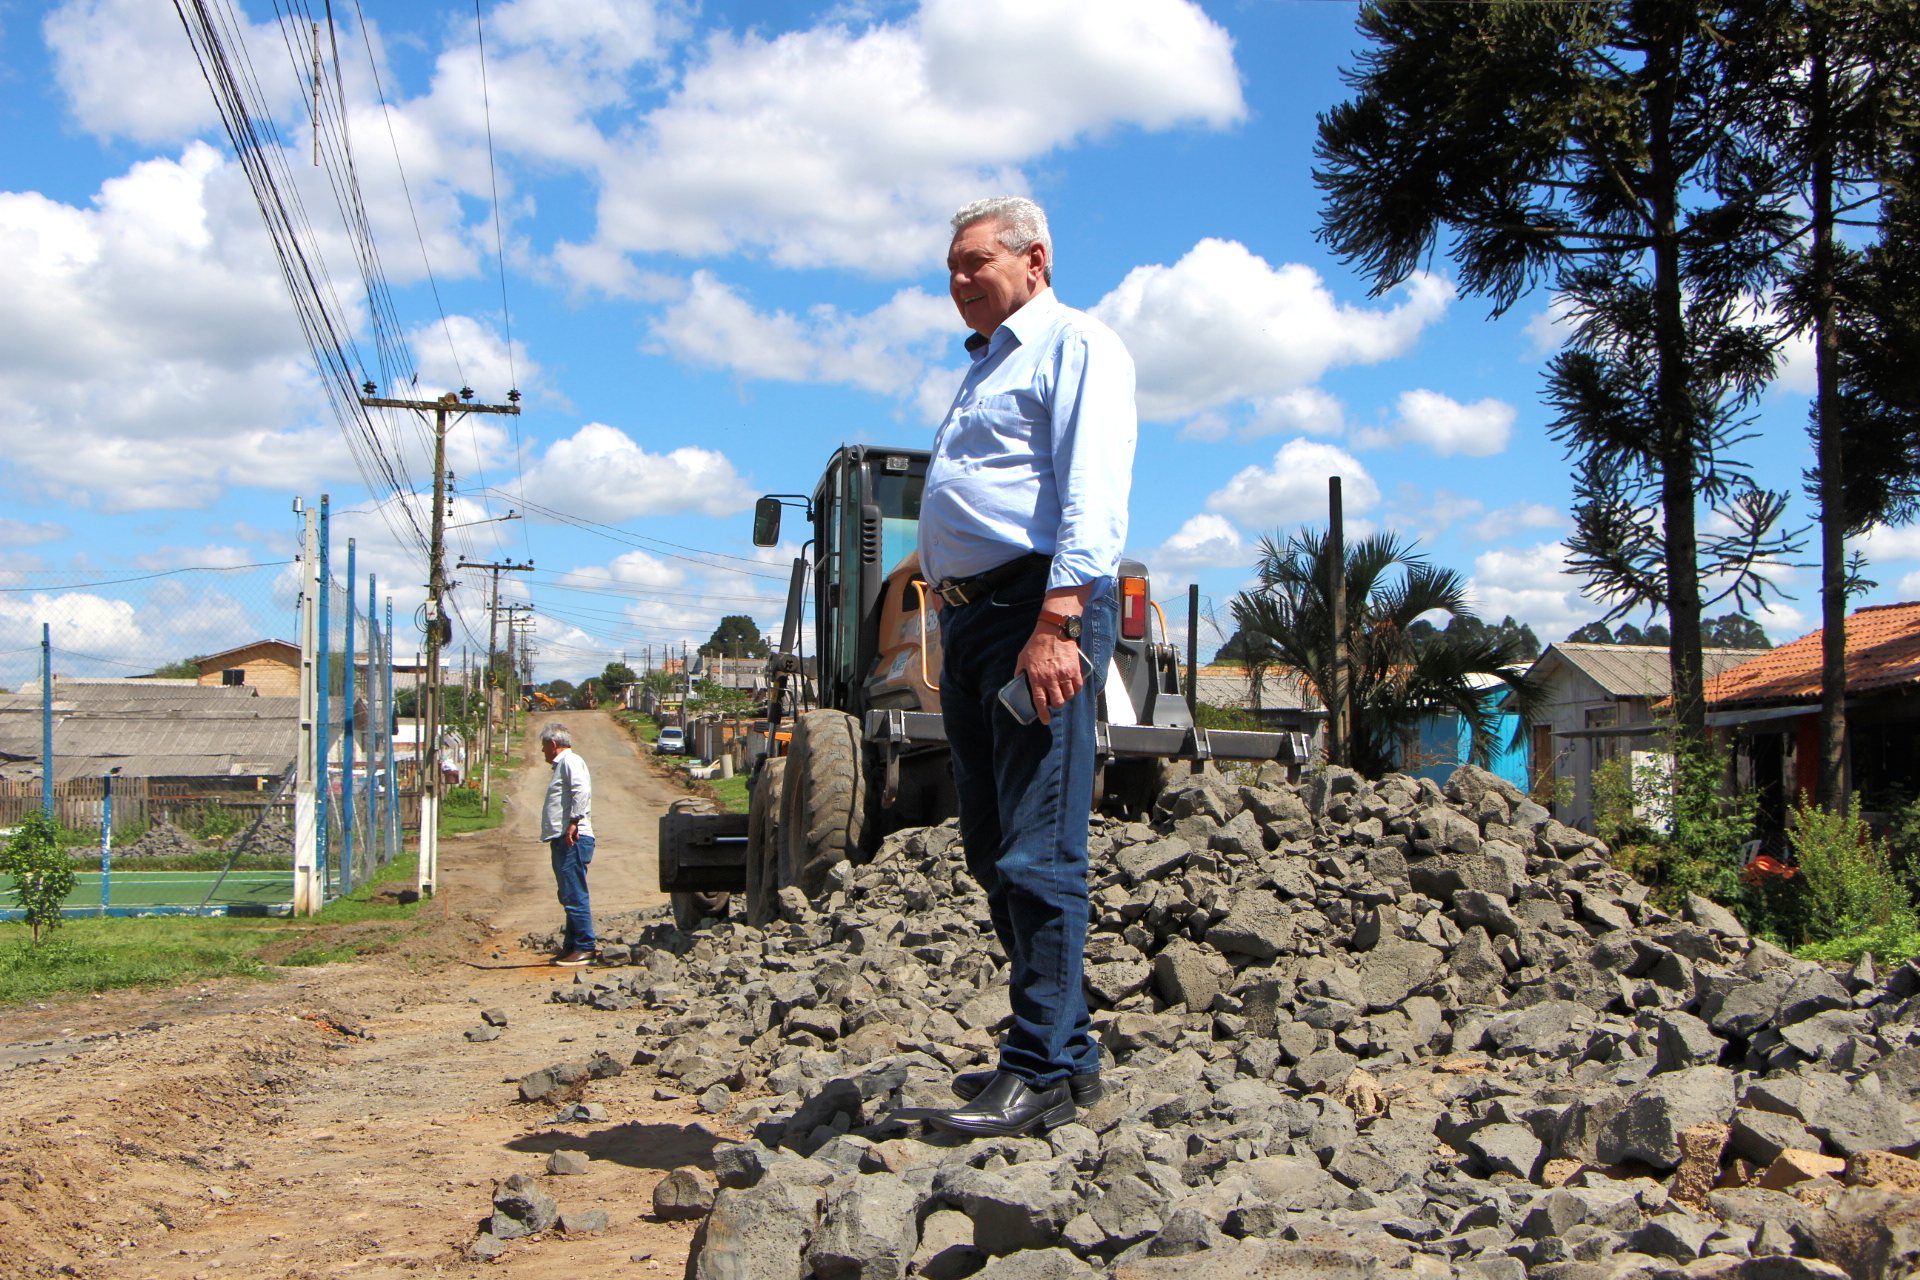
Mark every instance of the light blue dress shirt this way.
pixel 1036 453
pixel 569 797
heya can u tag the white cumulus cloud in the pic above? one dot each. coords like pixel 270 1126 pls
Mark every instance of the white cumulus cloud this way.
pixel 848 147
pixel 1205 541
pixel 1293 491
pixel 885 350
pixel 1222 325
pixel 1444 425
pixel 1533 585
pixel 599 472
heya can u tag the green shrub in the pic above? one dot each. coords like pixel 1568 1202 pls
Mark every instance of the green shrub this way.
pixel 461 801
pixel 214 822
pixel 1890 945
pixel 1847 877
pixel 1614 818
pixel 1552 792
pixel 41 872
pixel 1691 837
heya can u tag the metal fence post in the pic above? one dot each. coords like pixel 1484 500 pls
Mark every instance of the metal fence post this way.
pixel 346 741
pixel 393 769
pixel 106 841
pixel 46 719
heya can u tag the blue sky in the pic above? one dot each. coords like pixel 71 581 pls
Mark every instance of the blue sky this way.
pixel 723 233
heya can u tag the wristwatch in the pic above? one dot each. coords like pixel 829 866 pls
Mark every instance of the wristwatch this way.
pixel 1069 623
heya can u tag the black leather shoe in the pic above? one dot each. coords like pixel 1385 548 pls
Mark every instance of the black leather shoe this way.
pixel 1008 1108
pixel 1085 1088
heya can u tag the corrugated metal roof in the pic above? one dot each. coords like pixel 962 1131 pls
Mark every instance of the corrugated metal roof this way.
pixel 1639 670
pixel 195 731
pixel 1883 651
pixel 1280 690
pixel 92 694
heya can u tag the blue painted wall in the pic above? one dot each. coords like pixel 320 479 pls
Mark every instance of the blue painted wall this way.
pixel 1446 741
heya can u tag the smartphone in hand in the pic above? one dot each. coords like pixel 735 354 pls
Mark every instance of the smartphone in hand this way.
pixel 1016 695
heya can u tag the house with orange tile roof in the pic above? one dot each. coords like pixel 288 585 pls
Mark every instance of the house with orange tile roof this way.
pixel 1770 705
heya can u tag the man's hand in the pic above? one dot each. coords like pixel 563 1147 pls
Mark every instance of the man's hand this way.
pixel 573 832
pixel 1050 660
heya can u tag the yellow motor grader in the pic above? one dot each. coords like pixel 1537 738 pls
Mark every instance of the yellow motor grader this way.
pixel 870 755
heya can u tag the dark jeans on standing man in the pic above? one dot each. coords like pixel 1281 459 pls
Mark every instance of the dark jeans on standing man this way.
pixel 570 874
pixel 1025 792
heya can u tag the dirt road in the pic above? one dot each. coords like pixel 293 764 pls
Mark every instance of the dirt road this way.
pixel 338 1123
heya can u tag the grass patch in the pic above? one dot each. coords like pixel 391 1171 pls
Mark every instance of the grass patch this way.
pixel 89 955
pixel 460 812
pixel 103 955
pixel 640 725
pixel 731 792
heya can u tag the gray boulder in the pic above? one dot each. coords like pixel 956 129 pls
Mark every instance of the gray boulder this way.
pixel 760 1233
pixel 1647 1128
pixel 869 1230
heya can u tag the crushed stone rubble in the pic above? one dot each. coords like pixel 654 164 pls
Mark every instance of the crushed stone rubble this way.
pixel 1351 1029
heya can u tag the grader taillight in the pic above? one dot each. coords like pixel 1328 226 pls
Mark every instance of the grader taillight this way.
pixel 1133 608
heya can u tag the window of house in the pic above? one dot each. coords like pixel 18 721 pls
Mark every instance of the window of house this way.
pixel 233 676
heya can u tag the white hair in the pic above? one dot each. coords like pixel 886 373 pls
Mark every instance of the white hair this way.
pixel 557 734
pixel 1021 223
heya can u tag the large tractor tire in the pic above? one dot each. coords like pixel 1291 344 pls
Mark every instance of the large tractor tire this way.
pixel 690 908
pixel 763 842
pixel 824 805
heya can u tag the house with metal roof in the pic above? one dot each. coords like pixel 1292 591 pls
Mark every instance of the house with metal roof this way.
pixel 1282 699
pixel 1599 706
pixel 157 729
pixel 1770 705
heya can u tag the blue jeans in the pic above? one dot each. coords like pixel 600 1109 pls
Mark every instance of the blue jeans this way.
pixel 1025 792
pixel 570 874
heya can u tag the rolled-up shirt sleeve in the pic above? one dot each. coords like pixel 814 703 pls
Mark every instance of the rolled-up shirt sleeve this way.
pixel 1095 426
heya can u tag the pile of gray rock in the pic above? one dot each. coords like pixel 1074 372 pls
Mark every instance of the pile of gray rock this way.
pixel 161 839
pixel 1353 1029
pixel 269 838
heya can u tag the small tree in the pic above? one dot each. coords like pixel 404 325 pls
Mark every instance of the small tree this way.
pixel 1735 631
pixel 183 669
pixel 1392 683
pixel 41 871
pixel 737 636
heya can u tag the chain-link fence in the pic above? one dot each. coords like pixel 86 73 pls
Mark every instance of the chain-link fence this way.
pixel 362 799
pixel 172 726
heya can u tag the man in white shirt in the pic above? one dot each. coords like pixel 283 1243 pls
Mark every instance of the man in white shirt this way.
pixel 566 824
pixel 1021 528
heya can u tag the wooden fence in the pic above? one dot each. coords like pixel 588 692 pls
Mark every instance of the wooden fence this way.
pixel 77 802
pixel 136 801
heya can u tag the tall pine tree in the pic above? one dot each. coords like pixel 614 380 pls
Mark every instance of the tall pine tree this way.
pixel 1594 148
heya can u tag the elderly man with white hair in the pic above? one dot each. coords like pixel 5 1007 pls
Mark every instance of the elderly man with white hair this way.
pixel 1021 527
pixel 566 824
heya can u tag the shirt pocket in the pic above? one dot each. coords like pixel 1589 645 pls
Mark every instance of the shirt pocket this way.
pixel 997 430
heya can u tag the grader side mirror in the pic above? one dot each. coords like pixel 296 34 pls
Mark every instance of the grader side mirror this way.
pixel 766 522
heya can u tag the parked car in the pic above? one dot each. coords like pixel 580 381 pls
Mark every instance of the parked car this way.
pixel 672 741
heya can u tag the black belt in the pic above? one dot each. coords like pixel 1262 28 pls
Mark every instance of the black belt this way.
pixel 959 591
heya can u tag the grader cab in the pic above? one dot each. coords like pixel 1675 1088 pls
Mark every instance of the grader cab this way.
pixel 871 756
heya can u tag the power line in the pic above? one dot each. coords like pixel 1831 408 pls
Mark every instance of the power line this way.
pixel 144 577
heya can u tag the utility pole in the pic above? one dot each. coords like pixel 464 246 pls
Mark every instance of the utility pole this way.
pixel 493 640
pixel 1339 710
pixel 439 626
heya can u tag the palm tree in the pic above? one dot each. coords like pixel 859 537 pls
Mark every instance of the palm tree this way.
pixel 1393 683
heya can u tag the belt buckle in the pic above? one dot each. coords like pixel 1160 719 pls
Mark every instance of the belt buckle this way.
pixel 952 592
